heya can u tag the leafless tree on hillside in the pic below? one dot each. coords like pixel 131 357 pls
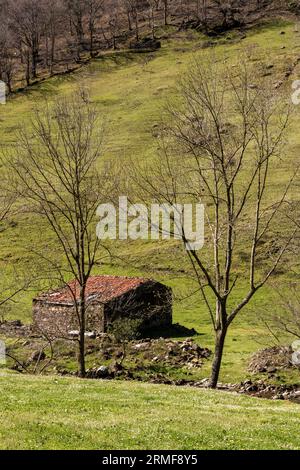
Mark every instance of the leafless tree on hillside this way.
pixel 27 22
pixel 221 147
pixel 57 166
pixel 94 10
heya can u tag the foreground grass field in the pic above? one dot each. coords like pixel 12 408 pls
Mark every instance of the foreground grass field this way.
pixel 56 413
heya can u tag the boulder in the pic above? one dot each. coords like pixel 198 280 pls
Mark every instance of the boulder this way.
pixel 102 372
pixel 38 356
pixel 90 334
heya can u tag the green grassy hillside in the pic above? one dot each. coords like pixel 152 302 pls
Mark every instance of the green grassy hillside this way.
pixel 56 413
pixel 130 90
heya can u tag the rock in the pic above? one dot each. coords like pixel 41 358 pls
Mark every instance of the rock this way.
pixel 90 334
pixel 16 323
pixel 38 356
pixel 106 355
pixel 294 396
pixel 278 84
pixel 278 397
pixel 141 346
pixel 73 333
pixel 102 371
pixel 116 367
pixel 119 354
pixel 271 370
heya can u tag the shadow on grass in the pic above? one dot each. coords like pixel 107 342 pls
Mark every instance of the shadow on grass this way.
pixel 174 331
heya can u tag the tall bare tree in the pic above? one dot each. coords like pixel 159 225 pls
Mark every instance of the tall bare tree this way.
pixel 94 12
pixel 166 4
pixel 114 27
pixel 228 10
pixel 53 19
pixel 132 9
pixel 7 57
pixel 221 147
pixel 76 10
pixel 57 166
pixel 27 23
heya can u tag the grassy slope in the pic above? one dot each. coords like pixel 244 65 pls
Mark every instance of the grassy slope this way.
pixel 130 91
pixel 55 413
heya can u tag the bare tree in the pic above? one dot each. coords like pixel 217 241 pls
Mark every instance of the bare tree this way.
pixel 152 7
pixel 202 11
pixel 285 318
pixel 114 27
pixel 57 168
pixel 27 23
pixel 7 50
pixel 94 10
pixel 76 10
pixel 52 17
pixel 132 9
pixel 228 10
pixel 166 11
pixel 221 147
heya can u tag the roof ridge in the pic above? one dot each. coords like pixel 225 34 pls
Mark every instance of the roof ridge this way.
pixel 108 290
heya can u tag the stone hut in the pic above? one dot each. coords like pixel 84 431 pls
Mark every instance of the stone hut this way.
pixel 108 298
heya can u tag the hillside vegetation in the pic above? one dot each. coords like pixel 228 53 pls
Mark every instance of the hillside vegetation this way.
pixel 130 91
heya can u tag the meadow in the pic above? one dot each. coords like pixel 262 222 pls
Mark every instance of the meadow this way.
pixel 130 91
pixel 38 413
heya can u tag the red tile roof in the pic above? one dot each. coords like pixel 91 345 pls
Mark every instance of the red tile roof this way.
pixel 104 288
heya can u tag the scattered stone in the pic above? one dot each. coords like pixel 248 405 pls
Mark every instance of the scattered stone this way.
pixel 141 346
pixel 73 334
pixel 278 84
pixel 17 329
pixel 16 323
pixel 90 334
pixel 102 371
pixel 37 356
pixel 271 360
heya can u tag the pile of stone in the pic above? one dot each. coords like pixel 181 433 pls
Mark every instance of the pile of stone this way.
pixel 271 360
pixel 170 352
pixel 185 353
pixel 16 328
pixel 264 390
pixel 113 371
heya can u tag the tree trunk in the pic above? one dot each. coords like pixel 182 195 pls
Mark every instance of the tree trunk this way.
pixel 216 365
pixel 52 52
pixel 34 60
pixel 27 73
pixel 91 42
pixel 137 33
pixel 166 12
pixel 129 21
pixel 81 355
pixel 81 352
pixel 153 23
